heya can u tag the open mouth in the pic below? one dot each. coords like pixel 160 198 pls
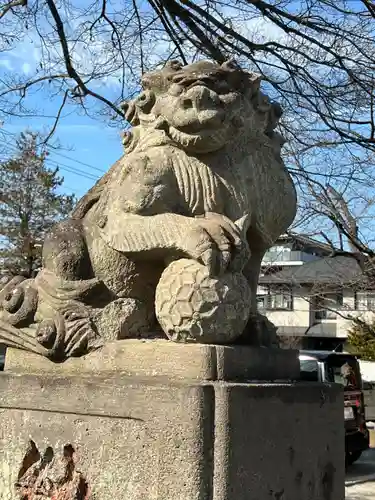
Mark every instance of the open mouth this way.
pixel 202 124
pixel 202 142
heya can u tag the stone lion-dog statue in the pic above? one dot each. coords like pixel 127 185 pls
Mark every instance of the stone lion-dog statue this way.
pixel 170 240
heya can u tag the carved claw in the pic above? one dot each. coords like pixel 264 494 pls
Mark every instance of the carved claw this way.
pixel 214 242
pixel 51 335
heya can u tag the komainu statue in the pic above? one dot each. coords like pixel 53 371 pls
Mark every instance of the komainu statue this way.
pixel 170 240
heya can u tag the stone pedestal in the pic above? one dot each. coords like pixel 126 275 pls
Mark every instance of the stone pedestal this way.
pixel 171 422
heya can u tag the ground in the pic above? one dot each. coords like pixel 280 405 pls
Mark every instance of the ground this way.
pixel 360 478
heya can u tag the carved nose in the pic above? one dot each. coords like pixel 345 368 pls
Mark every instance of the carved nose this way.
pixel 200 98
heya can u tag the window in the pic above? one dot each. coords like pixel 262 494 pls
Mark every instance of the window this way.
pixel 325 314
pixel 275 299
pixel 280 249
pixel 280 300
pixel 309 370
pixel 277 254
pixel 327 305
pixel 262 302
pixel 343 370
pixel 365 301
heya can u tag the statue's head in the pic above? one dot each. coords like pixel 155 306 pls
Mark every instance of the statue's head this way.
pixel 204 105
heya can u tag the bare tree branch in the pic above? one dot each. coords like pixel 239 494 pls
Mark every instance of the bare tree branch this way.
pixel 68 62
pixel 58 115
pixel 11 5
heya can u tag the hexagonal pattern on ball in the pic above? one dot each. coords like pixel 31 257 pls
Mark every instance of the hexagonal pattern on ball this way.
pixel 191 306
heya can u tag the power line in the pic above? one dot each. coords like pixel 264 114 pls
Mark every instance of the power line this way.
pixel 77 161
pixel 52 151
pixel 73 170
pixel 62 166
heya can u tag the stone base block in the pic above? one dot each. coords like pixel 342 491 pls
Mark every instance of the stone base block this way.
pixel 132 438
pixel 163 358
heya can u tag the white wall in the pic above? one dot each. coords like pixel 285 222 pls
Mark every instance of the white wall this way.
pixel 343 324
pixel 303 315
pixel 299 316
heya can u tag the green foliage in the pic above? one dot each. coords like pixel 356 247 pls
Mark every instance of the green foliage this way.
pixel 361 339
pixel 29 205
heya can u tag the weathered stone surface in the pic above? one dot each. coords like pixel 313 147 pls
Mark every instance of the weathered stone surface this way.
pixel 203 181
pixel 46 474
pixel 160 358
pixel 143 439
pixel 192 306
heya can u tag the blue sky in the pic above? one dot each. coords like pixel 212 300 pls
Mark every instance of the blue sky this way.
pixel 92 145
pixel 89 147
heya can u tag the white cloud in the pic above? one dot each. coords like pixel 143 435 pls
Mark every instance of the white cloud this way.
pixel 26 68
pixel 6 63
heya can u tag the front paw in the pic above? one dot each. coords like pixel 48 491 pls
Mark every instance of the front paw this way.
pixel 213 241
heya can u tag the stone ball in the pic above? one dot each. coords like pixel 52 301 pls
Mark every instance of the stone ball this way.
pixel 192 306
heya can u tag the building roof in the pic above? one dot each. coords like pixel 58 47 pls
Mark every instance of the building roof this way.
pixel 337 270
pixel 304 239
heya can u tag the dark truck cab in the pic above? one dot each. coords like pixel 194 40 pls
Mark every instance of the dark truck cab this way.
pixel 341 368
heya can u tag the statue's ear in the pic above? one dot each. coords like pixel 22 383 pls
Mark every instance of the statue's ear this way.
pixel 254 83
pixel 145 101
pixel 130 112
pixel 275 112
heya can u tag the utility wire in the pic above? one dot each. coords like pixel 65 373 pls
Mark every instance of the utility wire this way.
pixel 69 168
pixel 77 161
pixel 52 151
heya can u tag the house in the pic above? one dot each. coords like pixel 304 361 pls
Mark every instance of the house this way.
pixel 294 249
pixel 310 293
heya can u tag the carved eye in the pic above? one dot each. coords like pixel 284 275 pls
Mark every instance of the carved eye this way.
pixel 179 78
pixel 222 86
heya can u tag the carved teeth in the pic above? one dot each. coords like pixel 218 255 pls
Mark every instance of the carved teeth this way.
pixel 216 138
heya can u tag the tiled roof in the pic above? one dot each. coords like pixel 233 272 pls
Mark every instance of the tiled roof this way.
pixel 339 270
